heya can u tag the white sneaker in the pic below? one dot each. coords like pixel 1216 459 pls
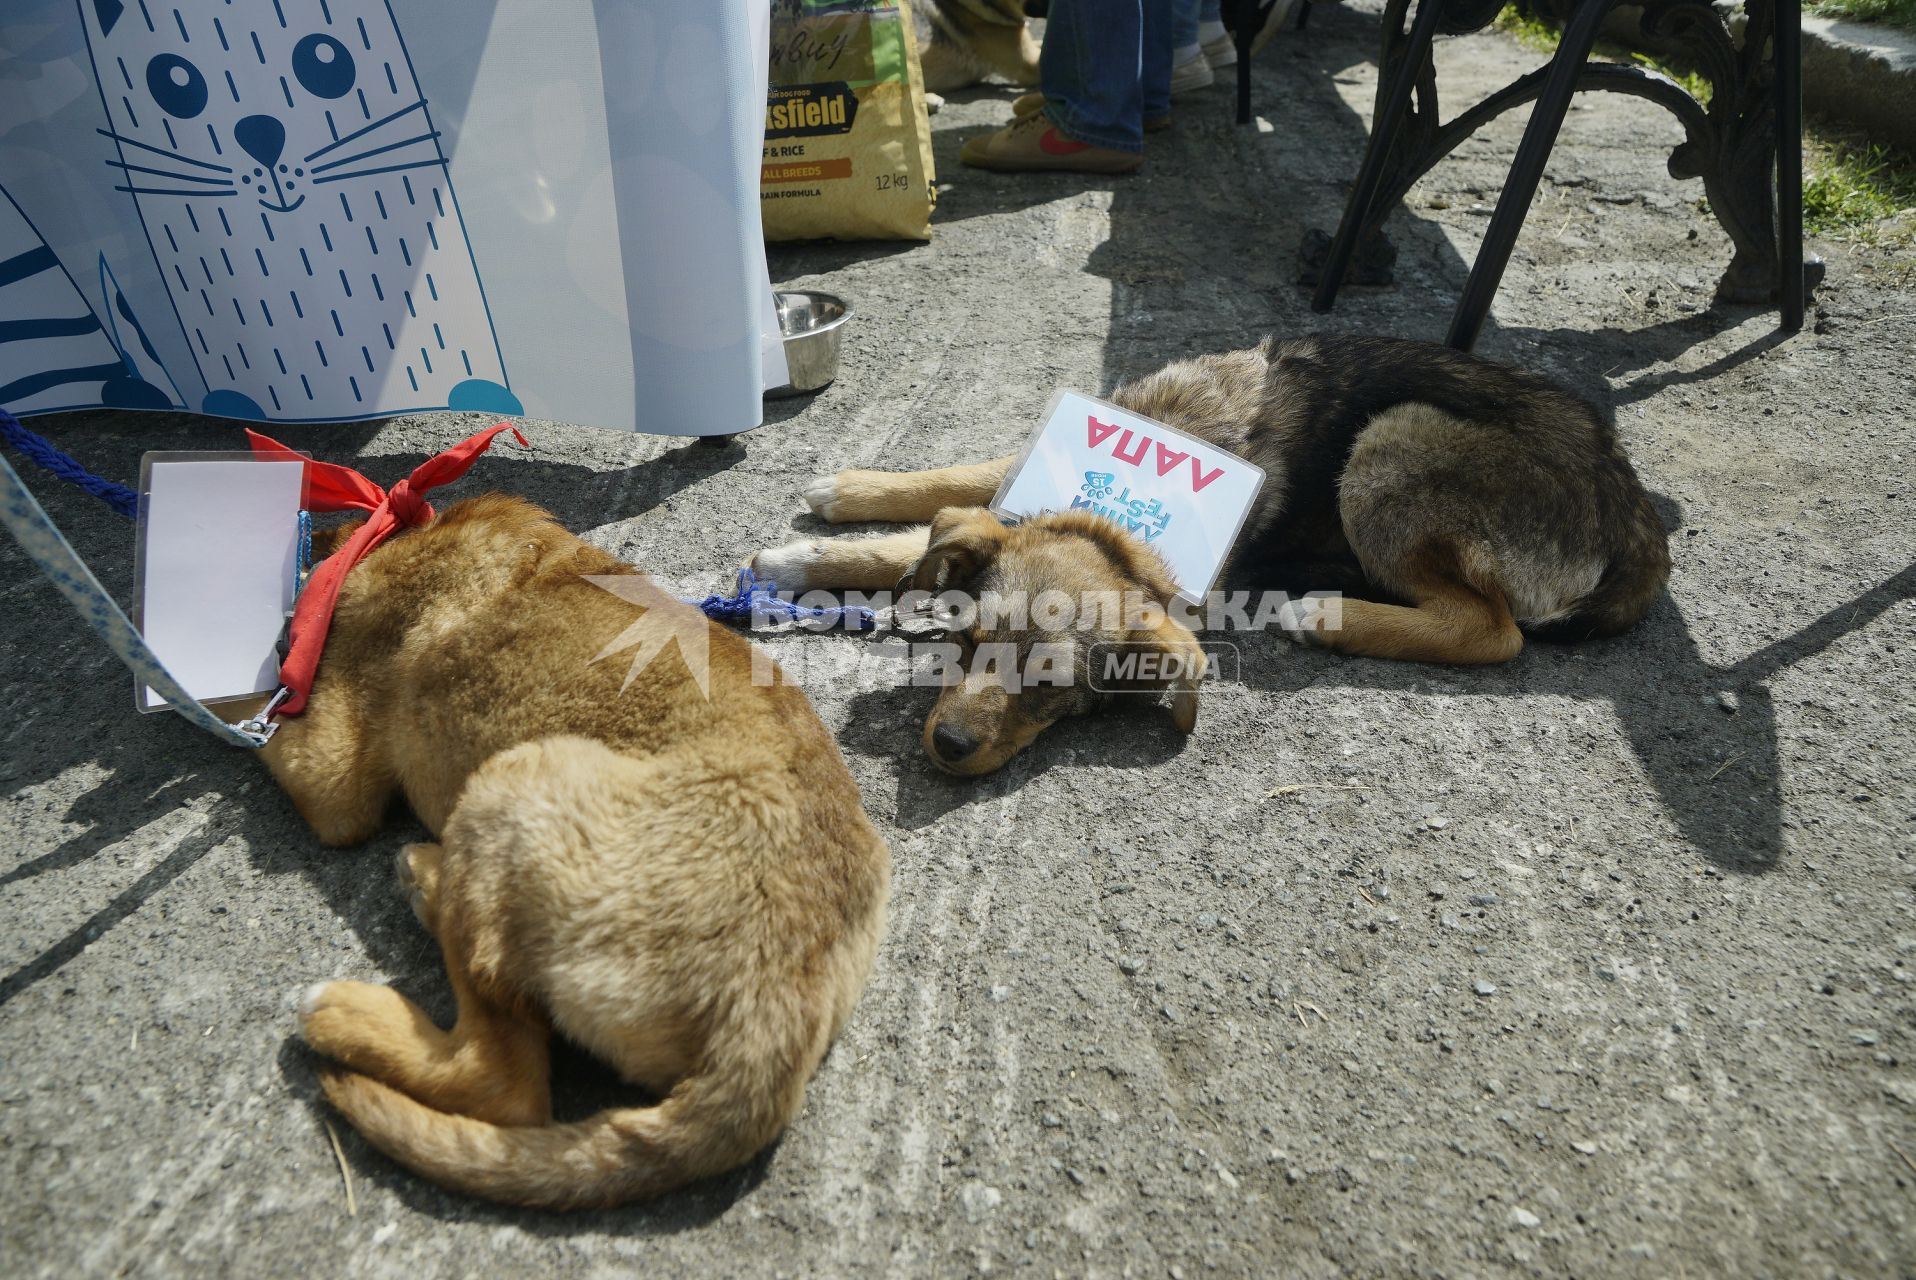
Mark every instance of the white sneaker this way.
pixel 1221 52
pixel 1192 74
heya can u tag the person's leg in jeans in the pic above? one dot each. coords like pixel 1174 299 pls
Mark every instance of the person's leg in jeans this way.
pixel 1089 71
pixel 1155 70
pixel 1090 114
pixel 1190 69
pixel 1185 16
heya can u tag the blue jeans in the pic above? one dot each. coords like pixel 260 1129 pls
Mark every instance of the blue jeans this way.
pixel 1105 67
pixel 1185 16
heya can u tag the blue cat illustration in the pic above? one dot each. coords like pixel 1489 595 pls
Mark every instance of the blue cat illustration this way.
pixel 291 184
pixel 55 351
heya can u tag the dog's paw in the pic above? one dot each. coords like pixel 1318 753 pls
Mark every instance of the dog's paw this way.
pixel 876 497
pixel 1304 621
pixel 309 1001
pixel 789 567
pixel 341 1019
pixel 858 497
pixel 416 866
pixel 821 495
pixel 314 1003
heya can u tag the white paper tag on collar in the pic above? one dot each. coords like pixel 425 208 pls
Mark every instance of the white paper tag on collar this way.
pixel 1184 497
pixel 215 560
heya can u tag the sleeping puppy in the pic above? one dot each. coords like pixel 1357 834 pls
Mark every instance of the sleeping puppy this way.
pixel 677 878
pixel 1459 505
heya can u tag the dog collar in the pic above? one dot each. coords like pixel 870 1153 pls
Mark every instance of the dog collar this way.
pixel 331 487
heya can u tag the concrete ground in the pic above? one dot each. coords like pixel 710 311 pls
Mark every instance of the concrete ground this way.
pixel 1599 963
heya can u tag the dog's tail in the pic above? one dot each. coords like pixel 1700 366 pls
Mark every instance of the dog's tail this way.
pixel 1629 586
pixel 714 1120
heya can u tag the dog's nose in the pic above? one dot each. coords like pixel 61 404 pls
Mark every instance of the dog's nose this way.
pixel 952 744
pixel 262 138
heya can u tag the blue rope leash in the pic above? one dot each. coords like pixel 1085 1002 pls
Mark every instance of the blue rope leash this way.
pixel 305 567
pixel 759 600
pixel 753 599
pixel 53 555
pixel 39 450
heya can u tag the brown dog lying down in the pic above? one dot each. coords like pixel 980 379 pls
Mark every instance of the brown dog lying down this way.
pixel 1458 503
pixel 684 885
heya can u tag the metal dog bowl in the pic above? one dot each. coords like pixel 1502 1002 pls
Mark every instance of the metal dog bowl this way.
pixel 810 323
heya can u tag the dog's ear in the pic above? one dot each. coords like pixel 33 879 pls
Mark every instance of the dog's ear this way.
pixel 963 541
pixel 1180 654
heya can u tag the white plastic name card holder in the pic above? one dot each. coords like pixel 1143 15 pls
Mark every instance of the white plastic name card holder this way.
pixel 214 571
pixel 1184 497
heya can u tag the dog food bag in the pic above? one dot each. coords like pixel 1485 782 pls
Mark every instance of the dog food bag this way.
pixel 847 140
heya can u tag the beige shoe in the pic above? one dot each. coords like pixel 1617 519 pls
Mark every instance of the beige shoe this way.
pixel 1029 104
pixel 1031 143
pixel 1192 74
pixel 1220 51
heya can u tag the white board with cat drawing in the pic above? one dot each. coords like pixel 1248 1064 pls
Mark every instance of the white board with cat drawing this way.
pixel 329 210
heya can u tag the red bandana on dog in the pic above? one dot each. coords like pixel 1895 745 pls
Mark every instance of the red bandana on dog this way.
pixel 330 487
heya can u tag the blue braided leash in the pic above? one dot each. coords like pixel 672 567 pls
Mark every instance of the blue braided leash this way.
pixel 305 566
pixel 752 601
pixel 755 601
pixel 38 449
pixel 30 526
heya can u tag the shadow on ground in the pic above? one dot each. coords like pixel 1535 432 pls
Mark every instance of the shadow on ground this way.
pixel 1716 772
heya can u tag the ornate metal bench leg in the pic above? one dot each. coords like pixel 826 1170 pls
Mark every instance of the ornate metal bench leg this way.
pixel 1393 103
pixel 1546 118
pixel 1788 42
